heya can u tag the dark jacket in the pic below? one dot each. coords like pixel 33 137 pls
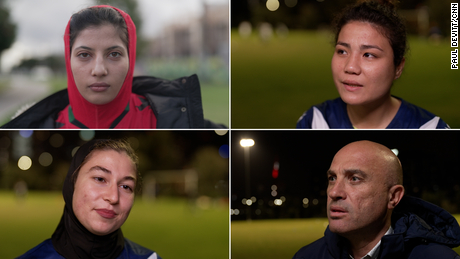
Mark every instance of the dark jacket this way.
pixel 421 230
pixel 45 250
pixel 175 103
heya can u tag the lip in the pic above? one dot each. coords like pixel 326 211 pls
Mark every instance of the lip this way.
pixel 351 85
pixel 99 87
pixel 337 212
pixel 108 214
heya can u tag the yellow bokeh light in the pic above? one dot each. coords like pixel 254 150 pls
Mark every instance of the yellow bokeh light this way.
pixel 221 132
pixel 24 163
pixel 273 5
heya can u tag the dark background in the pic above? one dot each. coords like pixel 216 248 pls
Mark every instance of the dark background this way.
pixel 429 160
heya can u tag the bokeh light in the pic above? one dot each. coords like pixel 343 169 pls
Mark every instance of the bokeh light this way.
pixel 221 132
pixel 24 163
pixel 87 135
pixel 74 150
pixel 245 29
pixel 272 5
pixel 45 159
pixel 247 142
pixel 223 151
pixel 56 140
pixel 134 142
pixel 26 133
pixel 290 3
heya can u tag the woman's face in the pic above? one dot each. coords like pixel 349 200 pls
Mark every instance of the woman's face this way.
pixel 99 61
pixel 104 191
pixel 362 65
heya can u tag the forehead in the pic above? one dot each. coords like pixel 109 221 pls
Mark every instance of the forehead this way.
pixel 362 33
pixel 354 158
pixel 117 162
pixel 105 34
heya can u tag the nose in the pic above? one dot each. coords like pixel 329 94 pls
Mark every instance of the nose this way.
pixel 352 65
pixel 99 68
pixel 336 190
pixel 111 194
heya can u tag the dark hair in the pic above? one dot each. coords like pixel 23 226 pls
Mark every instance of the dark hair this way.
pixel 382 15
pixel 97 16
pixel 116 145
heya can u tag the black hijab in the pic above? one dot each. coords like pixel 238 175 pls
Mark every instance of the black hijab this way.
pixel 71 239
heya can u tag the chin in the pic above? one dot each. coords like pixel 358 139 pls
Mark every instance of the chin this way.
pixel 338 227
pixel 98 100
pixel 102 230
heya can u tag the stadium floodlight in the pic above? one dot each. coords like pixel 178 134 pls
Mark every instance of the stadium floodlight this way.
pixel 247 142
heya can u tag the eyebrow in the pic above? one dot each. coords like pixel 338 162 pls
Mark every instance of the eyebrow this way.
pixel 349 171
pixel 109 48
pixel 105 170
pixel 362 47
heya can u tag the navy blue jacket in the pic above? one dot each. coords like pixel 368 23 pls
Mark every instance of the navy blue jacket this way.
pixel 421 230
pixel 332 114
pixel 45 250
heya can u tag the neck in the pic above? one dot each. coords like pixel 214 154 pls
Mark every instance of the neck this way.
pixel 374 116
pixel 363 242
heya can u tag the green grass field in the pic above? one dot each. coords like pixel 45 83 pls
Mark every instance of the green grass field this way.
pixel 171 227
pixel 274 82
pixel 274 239
pixel 215 103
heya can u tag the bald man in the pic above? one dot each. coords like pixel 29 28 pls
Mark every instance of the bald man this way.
pixel 365 186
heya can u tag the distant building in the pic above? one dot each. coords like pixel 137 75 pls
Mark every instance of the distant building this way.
pixel 204 36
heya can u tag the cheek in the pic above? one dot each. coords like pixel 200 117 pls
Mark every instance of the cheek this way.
pixel 382 78
pixel 335 66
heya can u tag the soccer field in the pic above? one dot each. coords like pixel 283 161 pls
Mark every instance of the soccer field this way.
pixel 274 239
pixel 172 227
pixel 274 82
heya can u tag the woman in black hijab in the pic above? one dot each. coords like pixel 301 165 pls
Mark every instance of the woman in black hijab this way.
pixel 98 193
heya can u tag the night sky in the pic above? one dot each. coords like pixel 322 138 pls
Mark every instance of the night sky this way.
pixel 429 160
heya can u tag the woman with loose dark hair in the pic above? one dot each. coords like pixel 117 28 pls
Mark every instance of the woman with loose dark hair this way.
pixel 370 44
pixel 100 55
pixel 99 192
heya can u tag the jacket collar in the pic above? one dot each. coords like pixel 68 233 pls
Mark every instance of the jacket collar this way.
pixel 414 221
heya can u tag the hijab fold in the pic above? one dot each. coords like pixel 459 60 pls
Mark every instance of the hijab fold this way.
pixel 71 239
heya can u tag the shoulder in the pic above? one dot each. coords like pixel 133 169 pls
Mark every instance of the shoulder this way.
pixel 41 114
pixel 329 114
pixel 433 250
pixel 175 103
pixel 44 250
pixel 410 116
pixel 136 251
pixel 317 249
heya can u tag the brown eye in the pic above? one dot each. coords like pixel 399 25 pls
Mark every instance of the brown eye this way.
pixel 83 55
pixel 115 54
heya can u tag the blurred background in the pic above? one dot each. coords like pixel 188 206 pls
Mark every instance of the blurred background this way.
pixel 183 203
pixel 175 38
pixel 278 191
pixel 282 49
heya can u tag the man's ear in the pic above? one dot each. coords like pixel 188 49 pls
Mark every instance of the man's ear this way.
pixel 395 195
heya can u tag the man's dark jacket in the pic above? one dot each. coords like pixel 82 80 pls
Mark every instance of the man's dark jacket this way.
pixel 421 230
pixel 175 103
